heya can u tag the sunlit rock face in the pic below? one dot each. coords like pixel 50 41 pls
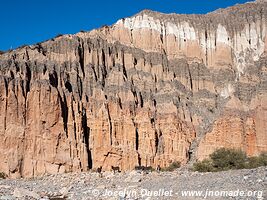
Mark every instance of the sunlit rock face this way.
pixel 149 90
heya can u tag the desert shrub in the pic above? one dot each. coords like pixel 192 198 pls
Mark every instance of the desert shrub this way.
pixel 252 162
pixel 204 166
pixel 263 159
pixel 3 175
pixel 257 161
pixel 225 159
pixel 172 166
pixel 2 52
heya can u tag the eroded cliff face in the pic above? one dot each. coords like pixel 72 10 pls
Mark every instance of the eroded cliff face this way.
pixel 148 90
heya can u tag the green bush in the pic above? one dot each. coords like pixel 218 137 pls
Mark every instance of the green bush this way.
pixel 204 166
pixel 254 162
pixel 226 159
pixel 3 175
pixel 263 159
pixel 172 166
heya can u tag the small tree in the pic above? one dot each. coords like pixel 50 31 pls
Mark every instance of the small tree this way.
pixel 254 161
pixel 204 166
pixel 3 175
pixel 224 159
pixel 172 166
pixel 263 159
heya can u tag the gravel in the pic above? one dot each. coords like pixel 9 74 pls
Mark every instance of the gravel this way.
pixel 139 185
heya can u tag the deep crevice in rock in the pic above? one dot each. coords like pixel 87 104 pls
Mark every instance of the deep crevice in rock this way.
pixel 68 86
pixel 64 111
pixel 53 79
pixel 86 132
pixel 136 139
pixel 28 77
pixel 81 55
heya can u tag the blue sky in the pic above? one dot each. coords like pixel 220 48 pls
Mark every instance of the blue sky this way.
pixel 31 21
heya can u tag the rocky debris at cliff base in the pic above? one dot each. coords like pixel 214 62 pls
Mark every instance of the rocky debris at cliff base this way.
pixel 134 185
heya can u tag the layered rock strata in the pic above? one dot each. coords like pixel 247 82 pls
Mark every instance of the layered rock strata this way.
pixel 149 90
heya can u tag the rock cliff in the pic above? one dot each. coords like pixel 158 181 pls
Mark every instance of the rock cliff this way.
pixel 149 90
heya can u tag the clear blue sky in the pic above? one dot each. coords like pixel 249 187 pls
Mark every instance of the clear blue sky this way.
pixel 31 21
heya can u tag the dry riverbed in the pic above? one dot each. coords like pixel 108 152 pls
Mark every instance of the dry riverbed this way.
pixel 180 184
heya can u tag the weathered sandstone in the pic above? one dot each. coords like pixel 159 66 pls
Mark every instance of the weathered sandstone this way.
pixel 148 90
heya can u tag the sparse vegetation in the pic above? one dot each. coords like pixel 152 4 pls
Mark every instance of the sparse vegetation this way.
pixel 226 159
pixel 3 175
pixel 256 161
pixel 172 166
pixel 204 166
pixel 2 52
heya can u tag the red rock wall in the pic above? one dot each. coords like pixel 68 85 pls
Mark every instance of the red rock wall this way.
pixel 147 91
